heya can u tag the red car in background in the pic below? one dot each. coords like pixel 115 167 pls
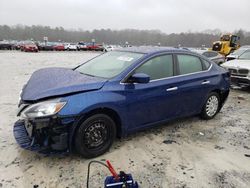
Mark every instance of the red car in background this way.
pixel 95 47
pixel 59 47
pixel 29 47
pixel 90 46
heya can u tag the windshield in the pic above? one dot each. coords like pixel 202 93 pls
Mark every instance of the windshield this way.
pixel 245 55
pixel 239 52
pixel 109 64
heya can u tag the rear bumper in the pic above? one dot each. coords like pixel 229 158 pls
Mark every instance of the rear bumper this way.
pixel 240 81
pixel 45 137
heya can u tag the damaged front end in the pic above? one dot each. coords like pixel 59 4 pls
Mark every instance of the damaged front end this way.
pixel 41 129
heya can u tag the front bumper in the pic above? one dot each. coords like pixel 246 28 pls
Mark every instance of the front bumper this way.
pixel 240 81
pixel 22 137
pixel 46 136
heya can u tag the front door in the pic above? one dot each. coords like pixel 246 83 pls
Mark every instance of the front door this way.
pixel 154 101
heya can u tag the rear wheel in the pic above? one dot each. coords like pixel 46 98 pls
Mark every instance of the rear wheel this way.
pixel 211 107
pixel 95 135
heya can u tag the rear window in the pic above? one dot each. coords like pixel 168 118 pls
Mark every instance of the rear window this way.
pixel 206 64
pixel 189 64
pixel 213 54
pixel 210 54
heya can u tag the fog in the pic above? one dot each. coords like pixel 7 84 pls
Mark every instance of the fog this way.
pixel 169 16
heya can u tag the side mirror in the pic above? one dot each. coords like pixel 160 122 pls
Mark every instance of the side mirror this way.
pixel 139 78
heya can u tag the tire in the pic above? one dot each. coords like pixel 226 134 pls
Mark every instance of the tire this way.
pixel 95 135
pixel 211 106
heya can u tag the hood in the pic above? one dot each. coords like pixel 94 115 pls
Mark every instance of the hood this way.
pixel 233 56
pixel 51 82
pixel 237 63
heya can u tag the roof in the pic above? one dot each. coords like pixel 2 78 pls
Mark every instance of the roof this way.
pixel 151 49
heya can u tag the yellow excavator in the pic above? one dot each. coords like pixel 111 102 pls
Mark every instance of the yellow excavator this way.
pixel 227 44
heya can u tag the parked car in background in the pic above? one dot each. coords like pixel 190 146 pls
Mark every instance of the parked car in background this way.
pixel 212 55
pixel 114 94
pixel 71 46
pixel 237 53
pixel 29 46
pixel 18 45
pixel 5 45
pixel 82 46
pixel 46 46
pixel 59 47
pixel 95 47
pixel 240 69
pixel 108 48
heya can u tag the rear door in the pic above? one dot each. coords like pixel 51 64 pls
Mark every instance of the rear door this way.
pixel 193 82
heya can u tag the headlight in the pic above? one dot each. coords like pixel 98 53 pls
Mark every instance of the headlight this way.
pixel 43 109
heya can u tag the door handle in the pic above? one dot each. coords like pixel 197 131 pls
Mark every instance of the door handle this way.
pixel 172 89
pixel 205 82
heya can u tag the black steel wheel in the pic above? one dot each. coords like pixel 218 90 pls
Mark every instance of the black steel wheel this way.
pixel 95 135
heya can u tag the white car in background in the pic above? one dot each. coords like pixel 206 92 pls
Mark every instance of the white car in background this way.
pixel 237 53
pixel 239 69
pixel 71 46
pixel 108 48
pixel 212 55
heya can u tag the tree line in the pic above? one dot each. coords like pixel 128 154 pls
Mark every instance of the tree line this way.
pixel 108 36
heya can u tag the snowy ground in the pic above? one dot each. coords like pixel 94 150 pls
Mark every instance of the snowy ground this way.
pixel 183 153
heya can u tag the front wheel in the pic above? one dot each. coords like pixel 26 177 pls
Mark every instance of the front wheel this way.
pixel 211 107
pixel 95 135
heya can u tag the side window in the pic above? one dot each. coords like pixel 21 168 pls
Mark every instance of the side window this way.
pixel 158 67
pixel 189 64
pixel 206 64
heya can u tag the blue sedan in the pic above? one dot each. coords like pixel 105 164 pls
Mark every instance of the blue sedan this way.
pixel 114 94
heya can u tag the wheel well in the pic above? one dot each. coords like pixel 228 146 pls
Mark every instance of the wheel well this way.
pixel 223 95
pixel 109 112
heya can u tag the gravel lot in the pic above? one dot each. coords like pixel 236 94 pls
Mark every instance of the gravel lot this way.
pixel 183 153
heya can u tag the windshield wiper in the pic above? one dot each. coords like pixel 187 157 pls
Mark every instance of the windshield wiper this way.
pixel 88 74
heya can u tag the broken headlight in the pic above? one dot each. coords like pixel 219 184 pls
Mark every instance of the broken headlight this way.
pixel 42 109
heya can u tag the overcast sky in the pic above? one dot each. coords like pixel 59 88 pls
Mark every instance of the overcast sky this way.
pixel 166 15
